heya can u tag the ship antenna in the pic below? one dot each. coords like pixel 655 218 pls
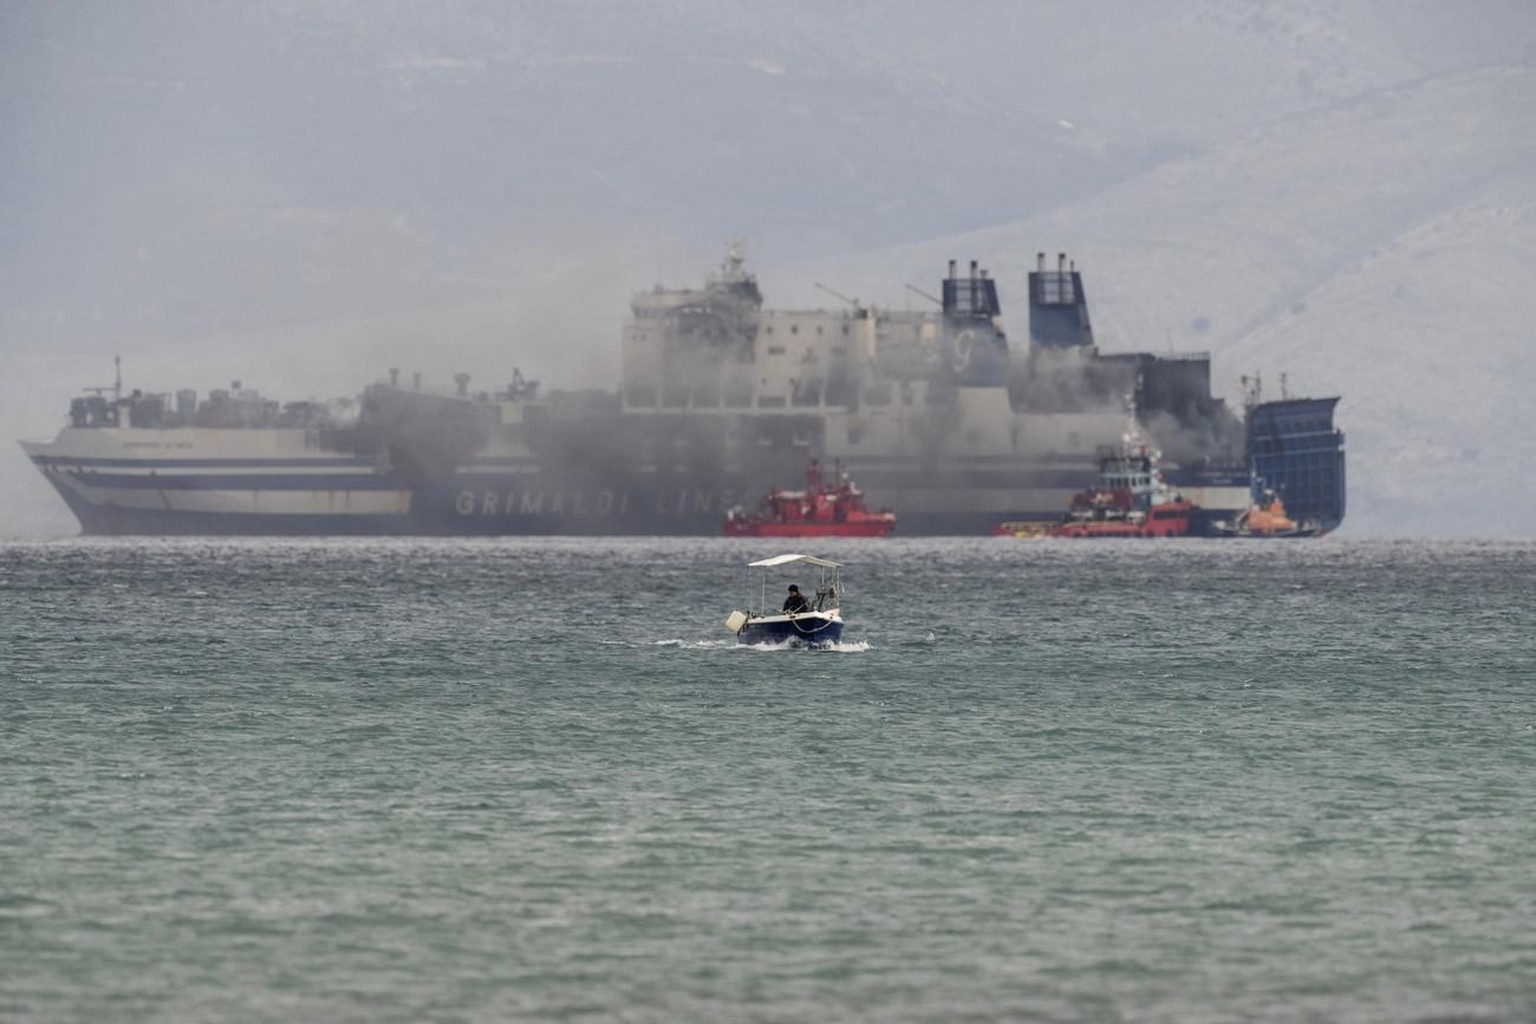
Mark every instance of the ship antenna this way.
pixel 936 301
pixel 836 294
pixel 117 383
pixel 1132 428
pixel 1253 389
pixel 735 258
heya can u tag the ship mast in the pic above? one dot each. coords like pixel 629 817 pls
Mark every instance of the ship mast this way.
pixel 1134 435
pixel 731 268
pixel 1253 390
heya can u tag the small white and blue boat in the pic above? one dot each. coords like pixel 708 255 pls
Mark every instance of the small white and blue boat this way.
pixel 791 613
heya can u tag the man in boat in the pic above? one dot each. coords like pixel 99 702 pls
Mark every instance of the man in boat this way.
pixel 796 601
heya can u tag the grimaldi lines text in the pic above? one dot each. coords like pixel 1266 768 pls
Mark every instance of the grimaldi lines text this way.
pixel 606 502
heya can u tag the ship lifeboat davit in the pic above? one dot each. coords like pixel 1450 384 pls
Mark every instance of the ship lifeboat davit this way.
pixel 825 508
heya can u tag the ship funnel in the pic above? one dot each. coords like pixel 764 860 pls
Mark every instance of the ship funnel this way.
pixel 1058 308
pixel 975 351
pixel 462 380
pixel 394 376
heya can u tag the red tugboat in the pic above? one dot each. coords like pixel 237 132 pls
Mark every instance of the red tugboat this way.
pixel 1130 499
pixel 823 509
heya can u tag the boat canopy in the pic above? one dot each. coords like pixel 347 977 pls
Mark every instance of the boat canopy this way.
pixel 787 559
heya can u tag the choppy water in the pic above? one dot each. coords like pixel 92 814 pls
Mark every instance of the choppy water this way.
pixel 533 780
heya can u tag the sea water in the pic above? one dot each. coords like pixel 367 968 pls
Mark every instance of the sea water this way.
pixel 536 780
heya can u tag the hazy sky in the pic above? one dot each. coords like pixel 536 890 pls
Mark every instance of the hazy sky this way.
pixel 300 195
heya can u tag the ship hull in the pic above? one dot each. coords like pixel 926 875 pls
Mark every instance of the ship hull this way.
pixel 1164 521
pixel 810 629
pixel 1087 531
pixel 794 530
pixel 124 482
pixel 1299 532
pixel 295 501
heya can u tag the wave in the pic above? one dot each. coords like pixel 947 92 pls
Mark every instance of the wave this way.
pixel 841 647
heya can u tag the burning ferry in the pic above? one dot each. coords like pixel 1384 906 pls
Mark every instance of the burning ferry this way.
pixel 934 411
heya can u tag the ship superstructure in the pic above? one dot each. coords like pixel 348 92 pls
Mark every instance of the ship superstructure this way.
pixel 933 411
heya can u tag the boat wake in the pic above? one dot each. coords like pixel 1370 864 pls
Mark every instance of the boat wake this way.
pixel 841 647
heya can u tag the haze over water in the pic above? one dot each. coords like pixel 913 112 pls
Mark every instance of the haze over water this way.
pixel 1335 195
pixel 535 780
